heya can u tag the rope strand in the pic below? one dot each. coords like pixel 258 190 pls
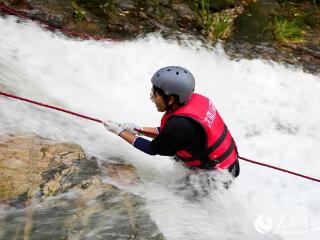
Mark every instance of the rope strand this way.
pixel 280 169
pixel 49 106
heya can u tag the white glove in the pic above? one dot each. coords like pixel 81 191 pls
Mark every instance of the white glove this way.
pixel 131 127
pixel 113 126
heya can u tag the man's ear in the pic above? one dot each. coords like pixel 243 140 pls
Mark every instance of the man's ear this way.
pixel 170 100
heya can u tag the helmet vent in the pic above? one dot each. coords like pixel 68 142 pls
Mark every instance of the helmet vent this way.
pixel 177 73
pixel 185 71
pixel 158 75
pixel 168 70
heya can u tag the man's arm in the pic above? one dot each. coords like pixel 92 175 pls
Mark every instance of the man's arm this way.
pixel 138 142
pixel 129 137
pixel 149 131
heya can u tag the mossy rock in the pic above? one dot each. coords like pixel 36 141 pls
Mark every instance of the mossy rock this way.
pixel 255 23
pixel 95 6
pixel 218 5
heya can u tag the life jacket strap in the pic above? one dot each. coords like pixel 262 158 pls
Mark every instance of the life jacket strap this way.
pixel 207 163
pixel 222 137
pixel 211 163
pixel 205 154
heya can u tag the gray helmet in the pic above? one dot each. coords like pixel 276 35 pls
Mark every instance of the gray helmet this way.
pixel 175 80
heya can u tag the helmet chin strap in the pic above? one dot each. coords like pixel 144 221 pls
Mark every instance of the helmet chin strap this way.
pixel 166 101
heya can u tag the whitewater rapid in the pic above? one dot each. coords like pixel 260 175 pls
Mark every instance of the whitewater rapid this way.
pixel 272 111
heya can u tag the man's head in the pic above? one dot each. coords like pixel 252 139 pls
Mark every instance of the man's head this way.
pixel 174 85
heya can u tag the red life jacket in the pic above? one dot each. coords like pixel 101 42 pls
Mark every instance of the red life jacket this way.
pixel 220 151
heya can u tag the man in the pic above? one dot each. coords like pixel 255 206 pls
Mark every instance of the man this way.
pixel 191 129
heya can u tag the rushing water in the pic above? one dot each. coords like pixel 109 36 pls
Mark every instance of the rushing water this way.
pixel 272 111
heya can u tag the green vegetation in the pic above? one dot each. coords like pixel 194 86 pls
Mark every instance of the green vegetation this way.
pixel 216 25
pixel 286 31
pixel 98 7
pixel 203 8
pixel 221 27
pixel 79 15
pixel 299 21
pixel 155 7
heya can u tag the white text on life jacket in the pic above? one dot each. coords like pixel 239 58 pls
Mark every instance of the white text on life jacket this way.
pixel 210 114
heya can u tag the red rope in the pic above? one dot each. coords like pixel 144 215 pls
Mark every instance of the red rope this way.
pixel 97 120
pixel 81 35
pixel 13 12
pixel 49 106
pixel 280 169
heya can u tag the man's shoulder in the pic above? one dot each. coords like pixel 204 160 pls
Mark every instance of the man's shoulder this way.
pixel 178 121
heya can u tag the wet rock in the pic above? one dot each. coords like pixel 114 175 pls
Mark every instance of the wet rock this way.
pixel 186 17
pixel 297 56
pixel 81 174
pixel 27 162
pixel 82 207
pixel 97 7
pixel 164 2
pixel 56 21
pixel 168 17
pixel 126 5
pixel 60 15
pixel 218 5
pixel 50 12
pixel 312 49
pixel 99 212
pixel 117 26
pixel 253 25
pixel 124 174
pixel 18 172
pixel 19 3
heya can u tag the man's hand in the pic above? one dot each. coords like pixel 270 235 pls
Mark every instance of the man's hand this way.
pixel 113 127
pixel 131 127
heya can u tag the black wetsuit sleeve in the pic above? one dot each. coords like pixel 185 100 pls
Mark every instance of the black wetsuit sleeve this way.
pixel 144 145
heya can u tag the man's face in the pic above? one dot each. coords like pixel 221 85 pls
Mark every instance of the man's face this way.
pixel 158 101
